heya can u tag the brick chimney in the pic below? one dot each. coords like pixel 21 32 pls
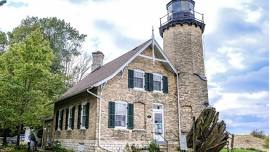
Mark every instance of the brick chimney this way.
pixel 97 60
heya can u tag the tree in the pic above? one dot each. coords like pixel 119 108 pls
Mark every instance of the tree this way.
pixel 3 41
pixel 80 68
pixel 65 41
pixel 26 81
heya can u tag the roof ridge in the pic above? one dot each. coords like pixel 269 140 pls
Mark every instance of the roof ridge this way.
pixel 101 73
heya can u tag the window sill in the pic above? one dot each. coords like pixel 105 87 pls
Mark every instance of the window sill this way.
pixel 120 128
pixel 69 129
pixel 82 128
pixel 158 92
pixel 139 89
pixel 139 130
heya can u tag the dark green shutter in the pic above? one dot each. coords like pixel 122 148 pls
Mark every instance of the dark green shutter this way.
pixel 73 115
pixel 79 117
pixel 66 126
pixel 130 116
pixel 151 82
pixel 56 120
pixel 165 84
pixel 87 116
pixel 62 117
pixel 111 122
pixel 130 79
pixel 146 83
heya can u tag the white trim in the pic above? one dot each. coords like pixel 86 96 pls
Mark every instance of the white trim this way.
pixel 131 59
pixel 153 45
pixel 156 59
pixel 123 66
pixel 166 58
pixel 118 127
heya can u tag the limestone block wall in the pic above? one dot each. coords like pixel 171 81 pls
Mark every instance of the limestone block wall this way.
pixel 183 46
pixel 117 90
pixel 78 134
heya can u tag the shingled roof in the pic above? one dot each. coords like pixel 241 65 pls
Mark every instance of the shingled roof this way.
pixel 106 71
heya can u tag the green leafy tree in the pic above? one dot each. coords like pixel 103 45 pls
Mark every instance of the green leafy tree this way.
pixel 3 42
pixel 26 81
pixel 65 41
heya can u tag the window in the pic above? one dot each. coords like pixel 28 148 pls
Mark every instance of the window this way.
pixel 83 116
pixel 157 82
pixel 121 114
pixel 59 120
pixel 70 115
pixel 186 6
pixel 138 79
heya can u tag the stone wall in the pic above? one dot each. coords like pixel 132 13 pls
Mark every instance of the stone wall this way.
pixel 248 141
pixel 183 46
pixel 117 90
pixel 80 134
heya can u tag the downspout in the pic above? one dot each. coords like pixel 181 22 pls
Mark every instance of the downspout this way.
pixel 179 109
pixel 99 119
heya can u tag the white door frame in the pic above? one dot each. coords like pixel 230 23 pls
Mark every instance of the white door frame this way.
pixel 163 129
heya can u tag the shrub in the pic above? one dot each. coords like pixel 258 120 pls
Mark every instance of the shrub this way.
pixel 153 147
pixel 266 142
pixel 57 147
pixel 12 148
pixel 258 133
pixel 131 148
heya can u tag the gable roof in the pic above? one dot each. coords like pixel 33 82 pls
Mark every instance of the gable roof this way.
pixel 109 70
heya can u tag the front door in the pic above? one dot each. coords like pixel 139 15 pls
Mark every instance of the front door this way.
pixel 158 123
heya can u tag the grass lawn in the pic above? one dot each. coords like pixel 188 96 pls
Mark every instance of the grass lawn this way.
pixel 242 150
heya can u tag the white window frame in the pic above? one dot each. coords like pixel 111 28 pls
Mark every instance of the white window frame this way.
pixel 83 104
pixel 136 88
pixel 59 119
pixel 161 87
pixel 70 117
pixel 121 102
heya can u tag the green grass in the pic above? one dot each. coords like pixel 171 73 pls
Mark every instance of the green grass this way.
pixel 243 150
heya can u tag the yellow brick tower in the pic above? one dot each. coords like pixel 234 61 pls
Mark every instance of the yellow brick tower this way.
pixel 182 30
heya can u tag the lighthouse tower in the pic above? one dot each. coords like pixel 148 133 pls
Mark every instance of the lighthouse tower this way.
pixel 182 30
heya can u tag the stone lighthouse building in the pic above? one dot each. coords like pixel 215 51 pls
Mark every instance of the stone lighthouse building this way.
pixel 146 94
pixel 182 30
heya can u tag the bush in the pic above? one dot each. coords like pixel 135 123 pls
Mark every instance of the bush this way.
pixel 153 147
pixel 258 133
pixel 57 147
pixel 12 148
pixel 266 142
pixel 131 148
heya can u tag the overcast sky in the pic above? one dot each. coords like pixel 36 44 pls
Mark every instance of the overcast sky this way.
pixel 235 44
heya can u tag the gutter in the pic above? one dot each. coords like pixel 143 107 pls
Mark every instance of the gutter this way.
pixel 99 119
pixel 179 108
